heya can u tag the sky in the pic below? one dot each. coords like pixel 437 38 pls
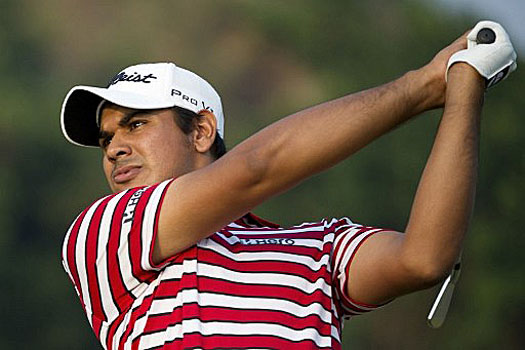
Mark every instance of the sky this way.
pixel 509 13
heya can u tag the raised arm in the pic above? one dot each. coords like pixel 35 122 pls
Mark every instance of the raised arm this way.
pixel 290 150
pixel 391 264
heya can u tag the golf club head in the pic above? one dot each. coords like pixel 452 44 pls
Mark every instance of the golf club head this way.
pixel 438 312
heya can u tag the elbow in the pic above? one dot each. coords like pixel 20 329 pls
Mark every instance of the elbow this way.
pixel 427 272
pixel 252 168
pixel 264 168
pixel 429 276
pixel 429 259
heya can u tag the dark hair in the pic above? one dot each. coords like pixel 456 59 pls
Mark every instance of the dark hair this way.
pixel 186 120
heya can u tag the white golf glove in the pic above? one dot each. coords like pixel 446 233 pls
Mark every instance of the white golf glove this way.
pixel 495 60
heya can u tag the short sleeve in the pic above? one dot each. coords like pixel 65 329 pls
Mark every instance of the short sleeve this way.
pixel 348 238
pixel 107 251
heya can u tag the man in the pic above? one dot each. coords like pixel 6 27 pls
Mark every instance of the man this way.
pixel 174 259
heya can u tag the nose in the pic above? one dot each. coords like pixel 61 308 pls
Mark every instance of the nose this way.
pixel 118 148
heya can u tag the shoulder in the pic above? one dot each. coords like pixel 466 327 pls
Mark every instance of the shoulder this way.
pixel 120 206
pixel 128 199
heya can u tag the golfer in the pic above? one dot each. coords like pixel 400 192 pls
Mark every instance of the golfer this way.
pixel 174 259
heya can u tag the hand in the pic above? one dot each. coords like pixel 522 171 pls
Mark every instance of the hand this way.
pixel 435 71
pixel 493 56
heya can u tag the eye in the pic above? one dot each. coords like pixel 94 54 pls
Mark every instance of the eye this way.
pixel 104 143
pixel 135 124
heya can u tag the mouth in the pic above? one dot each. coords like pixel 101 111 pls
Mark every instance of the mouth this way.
pixel 125 173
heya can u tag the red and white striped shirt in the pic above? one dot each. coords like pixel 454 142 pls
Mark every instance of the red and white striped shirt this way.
pixel 251 285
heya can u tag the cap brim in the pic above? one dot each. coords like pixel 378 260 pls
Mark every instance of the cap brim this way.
pixel 78 117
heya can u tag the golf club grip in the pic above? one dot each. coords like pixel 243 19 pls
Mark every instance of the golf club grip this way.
pixel 486 36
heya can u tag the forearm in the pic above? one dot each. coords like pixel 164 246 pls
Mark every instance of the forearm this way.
pixel 444 200
pixel 315 139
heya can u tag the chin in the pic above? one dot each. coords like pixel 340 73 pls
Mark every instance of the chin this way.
pixel 138 182
pixel 125 186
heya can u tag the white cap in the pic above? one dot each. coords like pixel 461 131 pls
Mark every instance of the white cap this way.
pixel 143 86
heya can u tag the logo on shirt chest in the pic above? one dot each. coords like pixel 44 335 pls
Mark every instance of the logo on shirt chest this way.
pixel 256 241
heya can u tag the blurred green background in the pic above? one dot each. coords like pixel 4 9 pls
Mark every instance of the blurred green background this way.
pixel 267 59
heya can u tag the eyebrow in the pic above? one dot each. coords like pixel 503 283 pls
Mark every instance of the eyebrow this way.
pixel 125 120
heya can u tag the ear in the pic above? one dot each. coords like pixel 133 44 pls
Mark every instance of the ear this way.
pixel 204 131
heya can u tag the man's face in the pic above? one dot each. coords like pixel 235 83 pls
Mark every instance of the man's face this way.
pixel 142 147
